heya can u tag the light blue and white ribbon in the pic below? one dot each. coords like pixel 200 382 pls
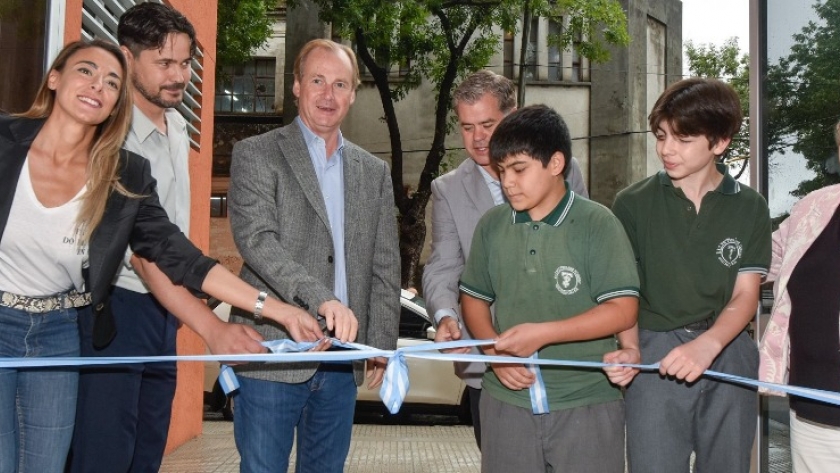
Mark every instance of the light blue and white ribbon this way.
pixel 229 383
pixel 398 368
pixel 539 395
pixel 227 379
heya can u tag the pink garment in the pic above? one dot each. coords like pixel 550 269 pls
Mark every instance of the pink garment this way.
pixel 807 220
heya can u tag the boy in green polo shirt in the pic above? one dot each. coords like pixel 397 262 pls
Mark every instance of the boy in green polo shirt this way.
pixel 702 245
pixel 561 273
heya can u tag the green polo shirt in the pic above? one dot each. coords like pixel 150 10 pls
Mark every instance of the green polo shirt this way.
pixel 574 259
pixel 688 262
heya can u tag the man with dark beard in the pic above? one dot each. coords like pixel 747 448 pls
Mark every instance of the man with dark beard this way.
pixel 123 412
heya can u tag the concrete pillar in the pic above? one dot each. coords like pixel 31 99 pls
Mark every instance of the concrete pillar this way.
pixel 620 104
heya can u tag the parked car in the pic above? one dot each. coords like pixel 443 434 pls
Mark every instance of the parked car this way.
pixel 434 388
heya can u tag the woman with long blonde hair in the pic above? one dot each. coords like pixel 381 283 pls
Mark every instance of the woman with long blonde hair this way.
pixel 71 202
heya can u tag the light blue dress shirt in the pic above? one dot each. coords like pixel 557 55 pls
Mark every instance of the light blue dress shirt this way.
pixel 494 185
pixel 330 173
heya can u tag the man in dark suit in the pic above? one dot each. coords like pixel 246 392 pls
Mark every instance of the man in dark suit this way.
pixel 459 199
pixel 313 217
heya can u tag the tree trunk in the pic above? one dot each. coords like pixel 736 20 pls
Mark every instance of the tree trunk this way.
pixel 411 206
pixel 412 228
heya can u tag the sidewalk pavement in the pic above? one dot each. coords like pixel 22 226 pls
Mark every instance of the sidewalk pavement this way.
pixel 390 449
pixel 373 449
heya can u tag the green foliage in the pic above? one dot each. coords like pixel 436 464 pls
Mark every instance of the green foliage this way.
pixel 727 64
pixel 422 37
pixel 592 25
pixel 804 96
pixel 243 26
pixel 724 62
pixel 452 159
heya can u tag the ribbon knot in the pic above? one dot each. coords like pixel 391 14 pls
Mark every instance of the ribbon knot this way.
pixel 227 377
pixel 395 383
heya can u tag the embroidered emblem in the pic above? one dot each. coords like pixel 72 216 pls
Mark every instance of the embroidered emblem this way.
pixel 729 252
pixel 568 280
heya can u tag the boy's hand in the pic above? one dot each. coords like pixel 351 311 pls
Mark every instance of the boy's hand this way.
pixel 514 376
pixel 522 340
pixel 622 375
pixel 690 360
pixel 447 331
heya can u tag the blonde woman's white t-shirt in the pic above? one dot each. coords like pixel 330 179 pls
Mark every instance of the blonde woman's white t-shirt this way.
pixel 39 252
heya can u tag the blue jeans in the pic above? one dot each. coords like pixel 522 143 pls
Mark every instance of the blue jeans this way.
pixel 321 409
pixel 37 405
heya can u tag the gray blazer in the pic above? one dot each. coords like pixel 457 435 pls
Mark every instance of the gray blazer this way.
pixel 459 200
pixel 281 229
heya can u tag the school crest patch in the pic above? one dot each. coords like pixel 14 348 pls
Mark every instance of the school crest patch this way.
pixel 729 252
pixel 567 280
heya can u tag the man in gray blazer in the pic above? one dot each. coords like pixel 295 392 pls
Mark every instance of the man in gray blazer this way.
pixel 459 199
pixel 313 218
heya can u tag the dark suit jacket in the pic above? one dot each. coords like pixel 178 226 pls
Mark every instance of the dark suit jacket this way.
pixel 137 222
pixel 281 228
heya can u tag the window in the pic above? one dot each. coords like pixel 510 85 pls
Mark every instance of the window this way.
pixel 508 55
pixel 531 51
pixel 555 54
pixel 248 88
pixel 577 68
pixel 544 61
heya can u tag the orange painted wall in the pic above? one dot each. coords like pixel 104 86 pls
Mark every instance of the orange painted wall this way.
pixel 188 406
